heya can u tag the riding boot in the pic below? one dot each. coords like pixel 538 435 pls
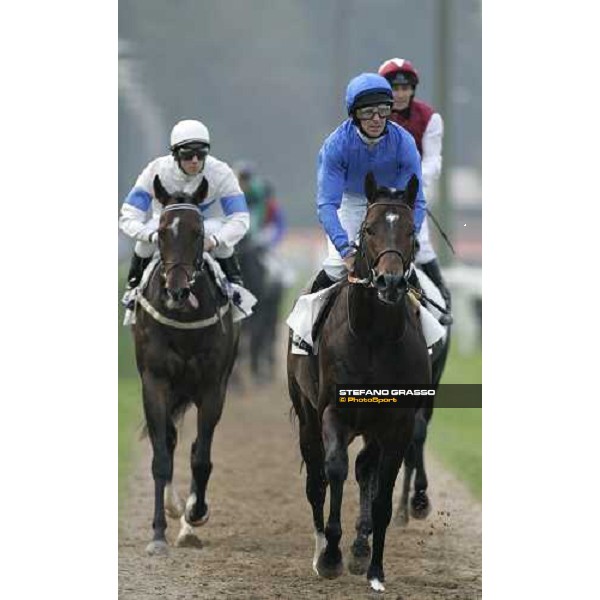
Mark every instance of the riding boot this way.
pixel 231 268
pixel 432 270
pixel 321 282
pixel 136 270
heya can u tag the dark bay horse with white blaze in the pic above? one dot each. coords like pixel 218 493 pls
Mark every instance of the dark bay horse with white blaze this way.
pixel 372 336
pixel 185 344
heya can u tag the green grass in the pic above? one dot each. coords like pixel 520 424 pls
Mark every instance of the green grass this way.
pixel 455 433
pixel 130 404
pixel 130 419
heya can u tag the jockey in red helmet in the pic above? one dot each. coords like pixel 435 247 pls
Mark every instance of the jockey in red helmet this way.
pixel 427 127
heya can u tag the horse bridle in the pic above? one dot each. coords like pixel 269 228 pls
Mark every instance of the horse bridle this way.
pixel 368 281
pixel 198 264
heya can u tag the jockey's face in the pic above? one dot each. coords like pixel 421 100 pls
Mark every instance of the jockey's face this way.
pixel 193 166
pixel 374 126
pixel 402 95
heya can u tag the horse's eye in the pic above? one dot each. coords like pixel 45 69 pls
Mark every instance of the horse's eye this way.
pixel 368 231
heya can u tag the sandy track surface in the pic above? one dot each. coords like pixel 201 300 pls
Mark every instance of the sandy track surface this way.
pixel 258 542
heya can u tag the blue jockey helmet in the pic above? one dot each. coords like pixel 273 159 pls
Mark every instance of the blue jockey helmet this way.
pixel 368 89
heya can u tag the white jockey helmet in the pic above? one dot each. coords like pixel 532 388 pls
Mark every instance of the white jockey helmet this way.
pixel 189 131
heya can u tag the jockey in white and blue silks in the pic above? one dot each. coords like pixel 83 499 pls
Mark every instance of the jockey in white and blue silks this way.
pixel 226 217
pixel 365 142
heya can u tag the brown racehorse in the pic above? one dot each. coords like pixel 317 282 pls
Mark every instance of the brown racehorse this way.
pixel 372 336
pixel 185 344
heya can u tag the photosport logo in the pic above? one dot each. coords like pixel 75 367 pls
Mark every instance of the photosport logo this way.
pixel 445 395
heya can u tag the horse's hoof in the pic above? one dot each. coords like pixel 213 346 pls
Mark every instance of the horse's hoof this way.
pixel 157 548
pixel 401 519
pixel 376 578
pixel 330 568
pixel 188 540
pixel 420 507
pixel 197 522
pixel 190 509
pixel 376 585
pixel 360 558
pixel 357 565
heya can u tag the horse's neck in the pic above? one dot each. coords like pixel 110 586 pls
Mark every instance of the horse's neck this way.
pixel 370 319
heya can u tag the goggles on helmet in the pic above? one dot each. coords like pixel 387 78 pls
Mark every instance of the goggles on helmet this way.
pixel 188 152
pixel 368 112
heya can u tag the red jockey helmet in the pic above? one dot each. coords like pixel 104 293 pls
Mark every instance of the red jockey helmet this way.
pixel 399 70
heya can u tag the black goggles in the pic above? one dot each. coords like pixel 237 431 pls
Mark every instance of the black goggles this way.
pixel 368 112
pixel 188 152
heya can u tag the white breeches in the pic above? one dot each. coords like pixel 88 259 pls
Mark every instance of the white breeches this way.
pixel 426 252
pixel 351 214
pixel 211 226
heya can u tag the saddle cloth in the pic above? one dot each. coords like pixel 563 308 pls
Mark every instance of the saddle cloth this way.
pixel 242 301
pixel 308 308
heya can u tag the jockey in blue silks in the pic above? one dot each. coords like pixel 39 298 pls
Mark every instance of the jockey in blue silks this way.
pixel 367 141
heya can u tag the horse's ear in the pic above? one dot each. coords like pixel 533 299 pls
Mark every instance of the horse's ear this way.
pixel 370 187
pixel 201 191
pixel 159 191
pixel 412 189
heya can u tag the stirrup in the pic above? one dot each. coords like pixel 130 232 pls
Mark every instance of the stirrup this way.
pixel 128 299
pixel 446 319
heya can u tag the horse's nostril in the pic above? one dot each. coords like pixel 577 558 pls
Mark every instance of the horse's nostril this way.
pixel 380 281
pixel 389 281
pixel 179 294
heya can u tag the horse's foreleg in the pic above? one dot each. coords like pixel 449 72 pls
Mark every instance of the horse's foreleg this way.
pixel 311 448
pixel 196 509
pixel 335 446
pixel 390 460
pixel 420 505
pixel 156 395
pixel 174 505
pixel 196 512
pixel 366 475
pixel 409 468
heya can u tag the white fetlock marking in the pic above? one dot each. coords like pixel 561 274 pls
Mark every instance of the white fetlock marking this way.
pixel 377 585
pixel 320 543
pixel 186 528
pixel 191 502
pixel 173 501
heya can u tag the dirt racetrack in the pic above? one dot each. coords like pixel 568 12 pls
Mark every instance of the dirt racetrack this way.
pixel 258 543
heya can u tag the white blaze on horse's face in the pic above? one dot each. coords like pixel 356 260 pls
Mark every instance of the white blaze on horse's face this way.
pixel 174 226
pixel 391 218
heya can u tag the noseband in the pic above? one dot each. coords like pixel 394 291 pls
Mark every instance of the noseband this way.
pixel 369 280
pixel 198 264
